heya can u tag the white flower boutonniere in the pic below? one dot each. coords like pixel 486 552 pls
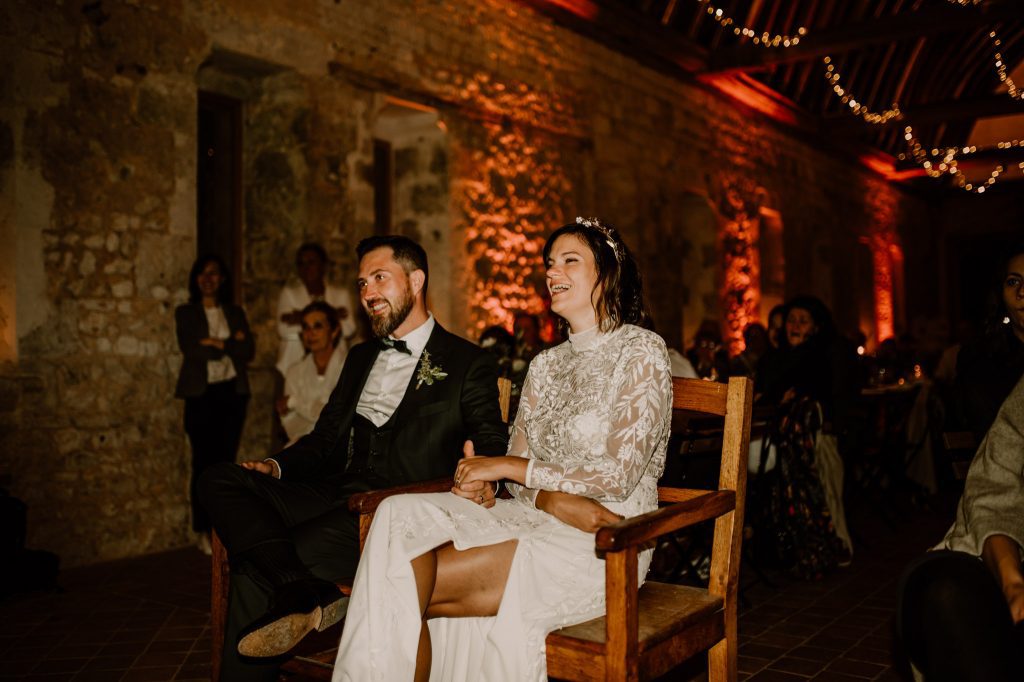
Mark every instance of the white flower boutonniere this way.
pixel 428 373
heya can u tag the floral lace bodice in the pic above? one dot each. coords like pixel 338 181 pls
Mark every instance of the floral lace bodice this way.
pixel 594 419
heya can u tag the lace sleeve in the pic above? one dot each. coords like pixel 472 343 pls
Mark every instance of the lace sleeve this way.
pixel 517 446
pixel 640 419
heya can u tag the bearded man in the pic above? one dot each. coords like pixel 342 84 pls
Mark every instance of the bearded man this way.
pixel 403 409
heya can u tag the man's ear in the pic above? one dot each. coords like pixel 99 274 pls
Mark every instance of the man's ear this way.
pixel 417 278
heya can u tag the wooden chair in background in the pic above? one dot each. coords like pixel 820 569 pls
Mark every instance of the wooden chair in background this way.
pixel 314 665
pixel 959 447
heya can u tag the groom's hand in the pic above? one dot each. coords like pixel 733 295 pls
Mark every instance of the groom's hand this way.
pixel 480 492
pixel 267 466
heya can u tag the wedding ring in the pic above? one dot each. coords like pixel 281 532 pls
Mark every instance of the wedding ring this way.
pixel 456 480
pixel 481 498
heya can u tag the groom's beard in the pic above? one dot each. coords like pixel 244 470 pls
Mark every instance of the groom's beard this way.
pixel 384 324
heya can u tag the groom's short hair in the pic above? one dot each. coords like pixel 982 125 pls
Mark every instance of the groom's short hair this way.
pixel 405 251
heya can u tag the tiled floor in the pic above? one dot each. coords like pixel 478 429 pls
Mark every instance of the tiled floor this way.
pixel 147 619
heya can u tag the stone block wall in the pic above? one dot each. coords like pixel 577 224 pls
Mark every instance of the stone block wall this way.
pixel 534 125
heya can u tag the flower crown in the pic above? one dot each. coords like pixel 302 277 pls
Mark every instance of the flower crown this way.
pixel 595 224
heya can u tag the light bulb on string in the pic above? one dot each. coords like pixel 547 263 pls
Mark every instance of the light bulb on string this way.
pixel 762 38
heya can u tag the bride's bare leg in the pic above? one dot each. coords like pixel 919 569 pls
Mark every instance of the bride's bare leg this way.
pixel 424 568
pixel 452 583
pixel 470 582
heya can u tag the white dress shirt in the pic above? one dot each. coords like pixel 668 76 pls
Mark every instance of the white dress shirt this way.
pixel 390 375
pixel 222 369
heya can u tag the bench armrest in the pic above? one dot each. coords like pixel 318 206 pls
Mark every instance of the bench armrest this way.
pixel 367 503
pixel 639 529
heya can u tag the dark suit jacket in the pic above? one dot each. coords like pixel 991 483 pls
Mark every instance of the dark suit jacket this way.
pixel 191 326
pixel 429 426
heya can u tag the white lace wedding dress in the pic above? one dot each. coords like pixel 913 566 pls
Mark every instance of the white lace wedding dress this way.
pixel 594 420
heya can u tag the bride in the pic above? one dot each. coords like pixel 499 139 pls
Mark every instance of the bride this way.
pixel 450 590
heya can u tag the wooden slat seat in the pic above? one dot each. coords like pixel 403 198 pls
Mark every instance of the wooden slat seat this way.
pixel 665 611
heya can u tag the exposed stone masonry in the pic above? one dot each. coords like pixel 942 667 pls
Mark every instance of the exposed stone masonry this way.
pixel 535 125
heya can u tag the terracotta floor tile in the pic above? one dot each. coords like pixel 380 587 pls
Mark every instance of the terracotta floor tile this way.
pixel 798 666
pixel 769 675
pixel 162 674
pixel 857 668
pixel 751 664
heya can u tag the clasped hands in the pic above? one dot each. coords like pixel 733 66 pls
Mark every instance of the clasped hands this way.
pixel 472 481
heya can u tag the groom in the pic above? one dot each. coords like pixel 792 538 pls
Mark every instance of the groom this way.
pixel 401 412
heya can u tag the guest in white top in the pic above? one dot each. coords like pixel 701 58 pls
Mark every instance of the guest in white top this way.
pixel 308 383
pixel 311 263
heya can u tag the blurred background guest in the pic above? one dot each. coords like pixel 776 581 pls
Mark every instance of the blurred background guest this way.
pixel 527 334
pixel 755 338
pixel 988 368
pixel 311 265
pixel 707 355
pixel 813 381
pixel 216 345
pixel 308 383
pixel 776 321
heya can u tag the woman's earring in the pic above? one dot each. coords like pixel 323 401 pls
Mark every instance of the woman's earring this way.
pixel 1006 320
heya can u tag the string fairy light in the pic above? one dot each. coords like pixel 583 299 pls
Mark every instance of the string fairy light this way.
pixel 937 162
pixel 763 38
pixel 856 107
pixel 1001 69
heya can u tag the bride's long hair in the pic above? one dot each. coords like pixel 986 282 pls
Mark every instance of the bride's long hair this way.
pixel 619 284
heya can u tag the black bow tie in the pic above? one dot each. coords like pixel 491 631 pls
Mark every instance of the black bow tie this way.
pixel 388 343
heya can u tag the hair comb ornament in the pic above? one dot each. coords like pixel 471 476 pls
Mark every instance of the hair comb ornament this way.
pixel 595 224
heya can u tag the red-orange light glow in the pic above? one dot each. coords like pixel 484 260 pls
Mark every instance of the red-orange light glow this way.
pixel 884 165
pixel 511 205
pixel 753 94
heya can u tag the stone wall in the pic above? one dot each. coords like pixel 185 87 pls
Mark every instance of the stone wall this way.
pixel 534 125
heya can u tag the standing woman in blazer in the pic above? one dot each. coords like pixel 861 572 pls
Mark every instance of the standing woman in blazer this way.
pixel 214 338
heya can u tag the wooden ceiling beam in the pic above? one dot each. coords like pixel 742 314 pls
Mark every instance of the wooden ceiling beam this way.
pixel 626 30
pixel 928 21
pixel 925 114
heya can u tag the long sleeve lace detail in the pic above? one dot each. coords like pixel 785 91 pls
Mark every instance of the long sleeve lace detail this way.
pixel 595 421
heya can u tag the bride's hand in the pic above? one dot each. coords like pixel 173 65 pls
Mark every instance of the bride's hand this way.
pixel 579 512
pixel 472 468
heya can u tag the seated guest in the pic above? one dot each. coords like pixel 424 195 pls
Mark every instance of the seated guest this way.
pixel 961 608
pixel 452 591
pixel 308 383
pixel 989 367
pixel 497 341
pixel 707 355
pixel 755 339
pixel 680 365
pixel 311 263
pixel 527 332
pixel 403 408
pixel 812 379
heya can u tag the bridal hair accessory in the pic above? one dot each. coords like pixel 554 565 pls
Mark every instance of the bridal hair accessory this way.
pixel 595 224
pixel 428 373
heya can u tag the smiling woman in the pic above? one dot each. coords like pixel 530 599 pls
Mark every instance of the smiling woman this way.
pixel 216 345
pixel 309 382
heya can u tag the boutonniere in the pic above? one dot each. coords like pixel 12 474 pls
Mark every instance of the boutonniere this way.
pixel 428 373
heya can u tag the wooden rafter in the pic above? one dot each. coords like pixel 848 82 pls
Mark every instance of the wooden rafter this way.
pixel 928 21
